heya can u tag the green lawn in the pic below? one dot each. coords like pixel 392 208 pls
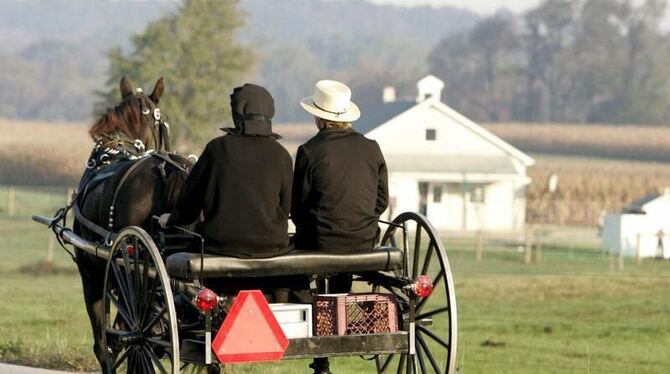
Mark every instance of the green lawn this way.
pixel 573 313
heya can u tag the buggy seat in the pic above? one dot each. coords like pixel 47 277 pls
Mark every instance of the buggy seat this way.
pixel 187 265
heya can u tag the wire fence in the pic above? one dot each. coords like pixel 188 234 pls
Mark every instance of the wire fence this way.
pixel 25 201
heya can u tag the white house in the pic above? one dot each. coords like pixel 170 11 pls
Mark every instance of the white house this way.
pixel 643 226
pixel 461 176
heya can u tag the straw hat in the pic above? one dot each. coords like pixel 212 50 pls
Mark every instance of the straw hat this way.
pixel 331 101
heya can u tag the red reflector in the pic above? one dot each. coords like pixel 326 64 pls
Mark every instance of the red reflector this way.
pixel 423 286
pixel 130 250
pixel 206 300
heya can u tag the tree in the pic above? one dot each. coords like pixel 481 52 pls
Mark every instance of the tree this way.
pixel 481 68
pixel 550 30
pixel 195 50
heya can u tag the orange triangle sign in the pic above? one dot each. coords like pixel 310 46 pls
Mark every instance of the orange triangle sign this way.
pixel 250 332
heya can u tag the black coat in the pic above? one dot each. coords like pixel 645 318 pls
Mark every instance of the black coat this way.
pixel 242 184
pixel 340 188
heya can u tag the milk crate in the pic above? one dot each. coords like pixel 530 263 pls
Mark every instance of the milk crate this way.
pixel 355 314
pixel 295 319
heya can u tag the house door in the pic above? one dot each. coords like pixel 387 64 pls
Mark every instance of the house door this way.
pixel 423 198
pixel 438 211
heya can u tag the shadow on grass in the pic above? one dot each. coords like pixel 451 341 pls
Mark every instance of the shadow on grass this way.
pixel 45 269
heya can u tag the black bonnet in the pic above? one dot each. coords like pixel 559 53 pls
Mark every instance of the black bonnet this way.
pixel 252 108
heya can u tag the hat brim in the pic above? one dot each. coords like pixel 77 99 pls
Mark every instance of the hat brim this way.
pixel 352 113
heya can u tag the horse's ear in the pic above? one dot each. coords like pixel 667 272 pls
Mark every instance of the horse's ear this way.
pixel 158 91
pixel 126 88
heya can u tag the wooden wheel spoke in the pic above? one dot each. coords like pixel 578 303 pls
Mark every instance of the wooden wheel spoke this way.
pixel 429 255
pixel 129 277
pixel 145 283
pixel 417 251
pixel 157 317
pixel 410 364
pixel 132 360
pixel 401 364
pixel 432 313
pixel 150 302
pixel 146 362
pixel 426 350
pixel 136 273
pixel 157 362
pixel 387 362
pixel 419 356
pixel 433 336
pixel 119 360
pixel 122 285
pixel 382 367
pixel 159 342
pixel 122 312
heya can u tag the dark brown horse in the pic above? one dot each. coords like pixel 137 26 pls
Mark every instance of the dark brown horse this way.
pixel 150 188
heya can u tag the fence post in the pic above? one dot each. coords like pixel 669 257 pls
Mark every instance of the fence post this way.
pixel 11 201
pixel 610 255
pixel 479 246
pixel 538 247
pixel 621 262
pixel 638 249
pixel 529 245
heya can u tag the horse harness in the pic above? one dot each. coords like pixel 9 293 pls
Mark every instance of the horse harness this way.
pixel 93 177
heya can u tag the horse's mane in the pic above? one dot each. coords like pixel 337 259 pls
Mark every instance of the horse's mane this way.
pixel 124 118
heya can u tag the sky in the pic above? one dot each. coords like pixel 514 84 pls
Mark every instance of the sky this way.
pixel 478 6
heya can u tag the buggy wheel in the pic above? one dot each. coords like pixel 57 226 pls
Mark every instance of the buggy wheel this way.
pixel 142 336
pixel 435 315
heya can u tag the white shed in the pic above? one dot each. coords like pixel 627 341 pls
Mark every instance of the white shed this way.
pixel 642 226
pixel 461 176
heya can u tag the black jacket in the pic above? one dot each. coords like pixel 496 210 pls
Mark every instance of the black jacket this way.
pixel 340 188
pixel 242 184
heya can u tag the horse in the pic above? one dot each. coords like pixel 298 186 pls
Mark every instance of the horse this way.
pixel 137 186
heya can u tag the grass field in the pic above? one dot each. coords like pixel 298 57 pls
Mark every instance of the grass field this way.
pixel 573 313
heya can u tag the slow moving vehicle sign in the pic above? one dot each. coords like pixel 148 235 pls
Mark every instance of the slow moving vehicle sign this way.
pixel 250 332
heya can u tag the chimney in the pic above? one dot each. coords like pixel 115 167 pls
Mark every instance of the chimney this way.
pixel 389 94
pixel 430 88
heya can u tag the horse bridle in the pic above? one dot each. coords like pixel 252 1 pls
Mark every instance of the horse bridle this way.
pixel 160 129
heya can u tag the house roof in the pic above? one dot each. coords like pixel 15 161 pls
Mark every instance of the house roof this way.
pixel 381 114
pixel 456 164
pixel 372 118
pixel 638 206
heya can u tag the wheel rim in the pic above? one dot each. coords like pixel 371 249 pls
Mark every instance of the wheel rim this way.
pixel 436 327
pixel 142 336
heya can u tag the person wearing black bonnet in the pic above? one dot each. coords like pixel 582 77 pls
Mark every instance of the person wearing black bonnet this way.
pixel 241 184
pixel 252 109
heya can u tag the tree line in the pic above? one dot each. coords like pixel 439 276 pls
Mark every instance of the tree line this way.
pixel 576 61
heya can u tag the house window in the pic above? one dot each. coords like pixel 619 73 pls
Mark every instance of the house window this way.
pixel 477 194
pixel 437 194
pixel 431 134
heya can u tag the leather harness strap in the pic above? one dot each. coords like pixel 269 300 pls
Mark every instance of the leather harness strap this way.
pixel 123 180
pixel 88 223
pixel 108 233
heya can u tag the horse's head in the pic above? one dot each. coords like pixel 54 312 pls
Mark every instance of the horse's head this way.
pixel 137 116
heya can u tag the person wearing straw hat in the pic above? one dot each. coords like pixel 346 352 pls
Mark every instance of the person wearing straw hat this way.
pixel 340 184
